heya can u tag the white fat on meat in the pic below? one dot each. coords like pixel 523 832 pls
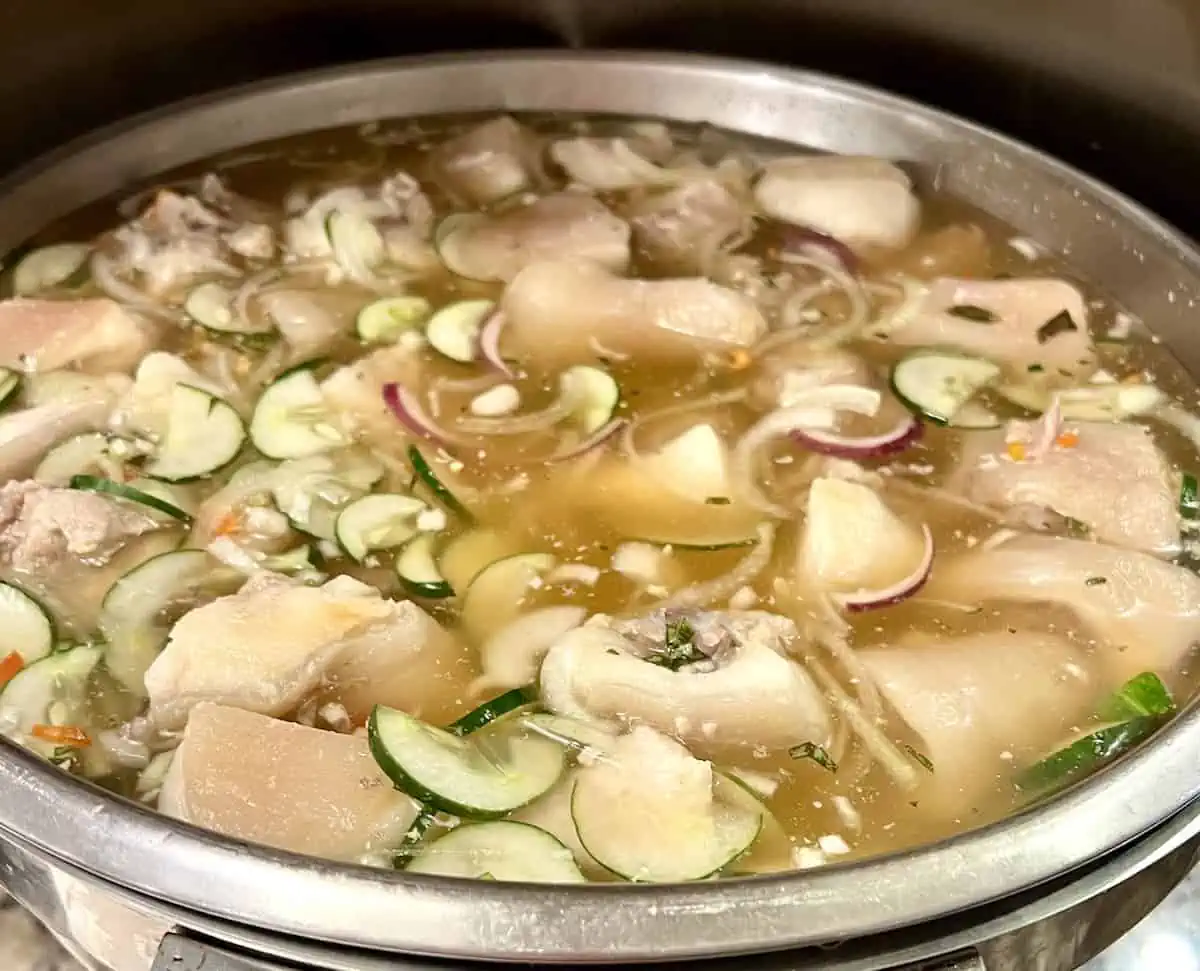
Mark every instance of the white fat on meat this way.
pixel 1030 334
pixel 563 226
pixel 608 164
pixel 851 540
pixel 275 643
pixel 487 162
pixel 95 335
pixel 748 693
pixel 685 227
pixel 311 321
pixel 256 778
pixel 176 240
pixel 980 705
pixel 354 394
pixel 1143 612
pixel 559 312
pixel 1114 479
pixel 862 202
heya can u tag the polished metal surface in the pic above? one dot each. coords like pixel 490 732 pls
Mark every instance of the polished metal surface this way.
pixel 1150 268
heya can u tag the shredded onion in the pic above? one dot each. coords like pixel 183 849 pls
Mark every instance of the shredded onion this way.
pixel 403 404
pixel 723 587
pixel 128 752
pixel 104 273
pixel 489 343
pixel 595 440
pixel 235 557
pixel 896 439
pixel 913 296
pixel 1048 428
pixel 804 242
pixel 860 306
pixel 535 421
pixel 252 480
pixel 900 590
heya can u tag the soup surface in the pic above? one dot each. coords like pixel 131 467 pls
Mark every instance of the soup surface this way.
pixel 581 499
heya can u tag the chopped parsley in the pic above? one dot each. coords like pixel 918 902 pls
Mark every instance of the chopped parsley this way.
pixel 1076 528
pixel 678 647
pixel 1036 368
pixel 1096 581
pixel 718 500
pixel 1060 323
pixel 922 760
pixel 813 751
pixel 967 311
pixel 63 755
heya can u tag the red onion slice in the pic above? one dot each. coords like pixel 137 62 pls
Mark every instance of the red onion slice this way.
pixel 489 343
pixel 595 440
pixel 897 592
pixel 896 439
pixel 809 242
pixel 404 405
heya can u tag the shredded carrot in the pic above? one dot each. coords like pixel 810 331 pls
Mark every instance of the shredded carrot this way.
pixel 10 667
pixel 228 524
pixel 1067 440
pixel 740 359
pixel 1016 451
pixel 62 735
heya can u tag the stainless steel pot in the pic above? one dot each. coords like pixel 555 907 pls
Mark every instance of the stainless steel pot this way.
pixel 1033 892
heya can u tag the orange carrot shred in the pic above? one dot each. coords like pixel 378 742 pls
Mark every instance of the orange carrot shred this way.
pixel 1067 440
pixel 71 735
pixel 10 667
pixel 740 359
pixel 229 523
pixel 1016 451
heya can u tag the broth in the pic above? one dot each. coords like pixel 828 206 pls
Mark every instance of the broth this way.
pixel 736 511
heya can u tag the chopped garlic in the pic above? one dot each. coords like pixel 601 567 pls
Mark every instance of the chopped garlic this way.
pixel 575 573
pixel 503 399
pixel 807 857
pixel 1027 248
pixel 431 521
pixel 640 562
pixel 1104 377
pixel 833 845
pixel 744 599
pixel 847 813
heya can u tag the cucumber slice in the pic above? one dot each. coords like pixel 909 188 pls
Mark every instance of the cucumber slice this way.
pixel 82 455
pixel 454 330
pixel 26 627
pixel 10 385
pixel 312 491
pixel 357 245
pixel 484 776
pixel 936 385
pixel 466 556
pixel 1189 497
pixel 60 265
pixel 298 560
pixel 92 483
pixel 204 434
pixel 383 321
pixel 500 850
pixel 1144 696
pixel 771 852
pixel 701 540
pixel 418 572
pixel 211 306
pixel 490 711
pixel 651 839
pixel 593 396
pixel 974 416
pixel 1085 753
pixel 493 600
pixel 424 472
pixel 446 240
pixel 380 522
pixel 292 420
pixel 52 691
pixel 134 615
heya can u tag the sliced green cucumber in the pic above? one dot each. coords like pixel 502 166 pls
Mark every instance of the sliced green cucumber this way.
pixel 1144 696
pixel 771 852
pixel 424 472
pixel 446 240
pixel 172 494
pixel 700 539
pixel 81 455
pixel 51 691
pixel 357 245
pixel 570 732
pixel 383 321
pixel 211 305
pixel 935 385
pixel 490 711
pixel 60 265
pixel 593 396
pixel 92 483
pixel 650 839
pixel 380 522
pixel 1189 497
pixel 204 434
pixel 10 385
pixel 493 599
pixel 26 627
pixel 454 330
pixel 312 491
pixel 292 420
pixel 298 560
pixel 500 850
pixel 418 571
pixel 134 617
pixel 483 776
pixel 1084 753
pixel 467 554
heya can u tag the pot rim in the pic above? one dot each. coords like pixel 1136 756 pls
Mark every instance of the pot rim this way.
pixel 129 845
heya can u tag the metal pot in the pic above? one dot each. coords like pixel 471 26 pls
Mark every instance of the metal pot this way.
pixel 1035 891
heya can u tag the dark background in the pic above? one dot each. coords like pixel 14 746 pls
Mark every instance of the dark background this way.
pixel 1111 85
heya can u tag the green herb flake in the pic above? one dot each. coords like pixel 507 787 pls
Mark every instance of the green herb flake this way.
pixel 814 752
pixel 1095 581
pixel 922 760
pixel 1189 497
pixel 678 648
pixel 486 876
pixel 63 755
pixel 1076 528
pixel 1060 323
pixel 717 500
pixel 1036 368
pixel 980 315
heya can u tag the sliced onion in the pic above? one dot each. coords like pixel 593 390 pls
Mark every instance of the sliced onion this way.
pixel 593 441
pixel 1048 429
pixel 534 421
pixel 404 405
pixel 724 587
pixel 489 343
pixel 809 242
pixel 235 556
pixel 104 273
pixel 897 592
pixel 860 305
pixel 896 439
pixel 512 656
